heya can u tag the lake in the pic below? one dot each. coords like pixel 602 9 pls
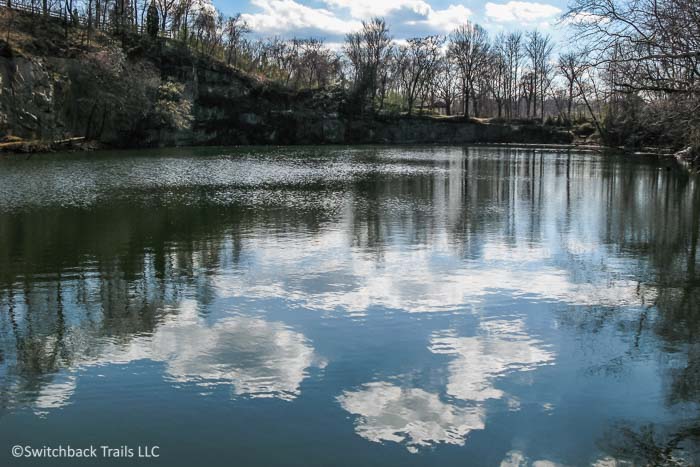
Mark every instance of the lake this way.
pixel 355 306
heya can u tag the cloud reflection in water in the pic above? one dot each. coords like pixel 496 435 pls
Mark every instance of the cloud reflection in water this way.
pixel 502 347
pixel 256 358
pixel 387 412
pixel 421 279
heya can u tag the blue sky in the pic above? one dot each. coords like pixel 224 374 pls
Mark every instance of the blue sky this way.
pixel 332 19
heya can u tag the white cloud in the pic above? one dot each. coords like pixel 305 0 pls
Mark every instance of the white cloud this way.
pixel 516 458
pixel 406 18
pixel 524 12
pixel 584 18
pixel 364 9
pixel 284 16
pixel 56 394
pixel 254 357
pixel 419 419
pixel 445 20
pixel 412 416
pixel 502 347
pixel 414 13
pixel 409 280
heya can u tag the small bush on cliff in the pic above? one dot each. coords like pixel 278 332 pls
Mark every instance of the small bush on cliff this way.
pixel 172 109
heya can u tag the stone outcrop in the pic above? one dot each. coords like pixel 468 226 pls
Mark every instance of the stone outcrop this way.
pixel 689 157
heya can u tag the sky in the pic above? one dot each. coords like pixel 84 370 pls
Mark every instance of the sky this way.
pixel 332 19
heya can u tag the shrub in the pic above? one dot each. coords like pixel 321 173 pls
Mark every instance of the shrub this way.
pixel 172 109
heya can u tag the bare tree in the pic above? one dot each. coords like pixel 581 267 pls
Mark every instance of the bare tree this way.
pixel 165 8
pixel 646 53
pixel 208 29
pixel 539 49
pixel 184 12
pixel 369 51
pixel 446 83
pixel 499 73
pixel 570 66
pixel 513 53
pixel 469 46
pixel 528 89
pixel 418 60
pixel 235 28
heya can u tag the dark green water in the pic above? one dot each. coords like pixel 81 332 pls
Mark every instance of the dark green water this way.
pixel 350 306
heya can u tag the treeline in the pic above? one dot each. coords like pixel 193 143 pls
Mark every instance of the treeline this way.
pixel 467 73
pixel 632 72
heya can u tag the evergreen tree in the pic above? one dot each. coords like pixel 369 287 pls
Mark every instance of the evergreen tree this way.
pixel 152 21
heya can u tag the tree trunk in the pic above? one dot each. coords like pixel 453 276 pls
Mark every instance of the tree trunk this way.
pixel 89 21
pixel 542 100
pixel 596 122
pixel 466 102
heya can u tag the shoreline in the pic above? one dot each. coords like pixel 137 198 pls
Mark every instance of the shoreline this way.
pixel 21 146
pixel 80 144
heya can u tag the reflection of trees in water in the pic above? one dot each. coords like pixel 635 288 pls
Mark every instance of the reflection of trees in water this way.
pixel 653 220
pixel 73 277
pixel 673 256
pixel 461 195
pixel 648 447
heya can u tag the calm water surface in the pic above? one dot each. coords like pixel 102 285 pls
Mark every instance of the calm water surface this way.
pixel 351 306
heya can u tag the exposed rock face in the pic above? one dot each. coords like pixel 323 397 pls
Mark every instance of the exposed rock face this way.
pixel 27 99
pixel 428 130
pixel 170 98
pixel 689 157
